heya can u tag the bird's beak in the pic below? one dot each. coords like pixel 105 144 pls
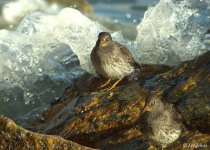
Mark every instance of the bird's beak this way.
pixel 147 108
pixel 102 43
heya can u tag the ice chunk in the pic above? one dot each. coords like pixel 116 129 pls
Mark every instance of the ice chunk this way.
pixel 33 71
pixel 70 27
pixel 38 60
pixel 13 12
pixel 173 27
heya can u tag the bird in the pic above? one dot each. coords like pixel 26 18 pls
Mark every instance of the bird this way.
pixel 160 122
pixel 112 60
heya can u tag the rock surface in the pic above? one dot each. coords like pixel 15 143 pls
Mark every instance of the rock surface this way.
pixel 10 20
pixel 14 137
pixel 81 5
pixel 108 120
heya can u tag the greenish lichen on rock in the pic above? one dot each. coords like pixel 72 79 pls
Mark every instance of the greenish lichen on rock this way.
pixel 13 136
pixel 102 119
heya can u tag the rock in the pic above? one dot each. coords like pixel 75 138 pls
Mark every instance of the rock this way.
pixel 15 137
pixel 11 20
pixel 192 140
pixel 81 5
pixel 189 91
pixel 109 120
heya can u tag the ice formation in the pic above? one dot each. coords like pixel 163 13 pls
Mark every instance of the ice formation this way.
pixel 173 31
pixel 38 60
pixel 13 12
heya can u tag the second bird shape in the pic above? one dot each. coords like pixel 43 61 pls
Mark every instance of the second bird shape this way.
pixel 161 122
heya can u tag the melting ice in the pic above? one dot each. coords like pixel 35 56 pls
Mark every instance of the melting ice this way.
pixel 37 61
pixel 14 11
pixel 40 59
pixel 173 31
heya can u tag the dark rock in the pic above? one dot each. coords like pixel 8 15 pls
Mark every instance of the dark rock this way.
pixel 15 137
pixel 81 5
pixel 108 120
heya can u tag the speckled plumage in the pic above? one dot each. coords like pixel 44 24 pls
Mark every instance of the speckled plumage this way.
pixel 160 122
pixel 111 59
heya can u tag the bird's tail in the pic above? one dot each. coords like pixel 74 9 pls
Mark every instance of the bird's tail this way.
pixel 137 72
pixel 136 65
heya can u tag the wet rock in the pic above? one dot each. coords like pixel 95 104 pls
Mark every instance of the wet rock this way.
pixel 192 140
pixel 15 137
pixel 187 86
pixel 81 5
pixel 11 21
pixel 109 120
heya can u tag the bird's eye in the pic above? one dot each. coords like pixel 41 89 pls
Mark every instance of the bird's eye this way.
pixel 153 103
pixel 106 39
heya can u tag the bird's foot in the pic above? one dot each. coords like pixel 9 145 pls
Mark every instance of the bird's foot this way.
pixel 163 146
pixel 112 87
pixel 105 84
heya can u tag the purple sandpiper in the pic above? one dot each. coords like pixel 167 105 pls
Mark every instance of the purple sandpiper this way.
pixel 111 59
pixel 160 121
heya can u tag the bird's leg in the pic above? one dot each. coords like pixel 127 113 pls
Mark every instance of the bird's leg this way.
pixel 114 85
pixel 163 146
pixel 105 84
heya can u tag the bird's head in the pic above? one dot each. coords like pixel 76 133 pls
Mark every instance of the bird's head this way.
pixel 103 39
pixel 153 103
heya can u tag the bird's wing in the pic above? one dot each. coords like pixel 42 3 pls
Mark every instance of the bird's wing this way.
pixel 127 54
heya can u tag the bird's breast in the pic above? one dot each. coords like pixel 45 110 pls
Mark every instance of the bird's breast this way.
pixel 108 63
